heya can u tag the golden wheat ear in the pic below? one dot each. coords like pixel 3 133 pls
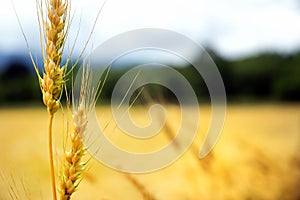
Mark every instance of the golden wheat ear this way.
pixel 72 162
pixel 53 25
pixel 53 28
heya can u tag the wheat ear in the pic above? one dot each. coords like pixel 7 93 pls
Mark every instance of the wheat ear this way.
pixel 73 165
pixel 72 161
pixel 53 31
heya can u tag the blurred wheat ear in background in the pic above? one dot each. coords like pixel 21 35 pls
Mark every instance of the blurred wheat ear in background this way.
pixel 144 192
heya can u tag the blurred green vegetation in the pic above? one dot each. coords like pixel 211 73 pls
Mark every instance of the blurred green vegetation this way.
pixel 18 84
pixel 264 77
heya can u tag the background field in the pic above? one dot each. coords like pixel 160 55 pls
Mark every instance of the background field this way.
pixel 257 157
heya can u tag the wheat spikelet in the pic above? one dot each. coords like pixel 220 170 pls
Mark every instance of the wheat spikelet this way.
pixel 55 31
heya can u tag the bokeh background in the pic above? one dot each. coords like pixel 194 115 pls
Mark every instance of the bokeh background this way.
pixel 256 47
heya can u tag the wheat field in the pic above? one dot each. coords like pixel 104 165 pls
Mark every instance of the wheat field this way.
pixel 257 157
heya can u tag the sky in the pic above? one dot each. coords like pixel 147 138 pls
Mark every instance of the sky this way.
pixel 233 28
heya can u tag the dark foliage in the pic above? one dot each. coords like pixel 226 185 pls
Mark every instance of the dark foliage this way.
pixel 268 76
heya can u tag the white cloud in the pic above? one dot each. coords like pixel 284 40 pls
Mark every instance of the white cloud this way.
pixel 233 27
pixel 240 29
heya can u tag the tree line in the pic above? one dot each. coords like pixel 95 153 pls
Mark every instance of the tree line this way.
pixel 263 77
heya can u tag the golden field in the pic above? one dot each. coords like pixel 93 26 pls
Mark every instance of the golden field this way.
pixel 257 157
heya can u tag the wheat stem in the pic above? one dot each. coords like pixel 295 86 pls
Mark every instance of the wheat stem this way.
pixel 51 158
